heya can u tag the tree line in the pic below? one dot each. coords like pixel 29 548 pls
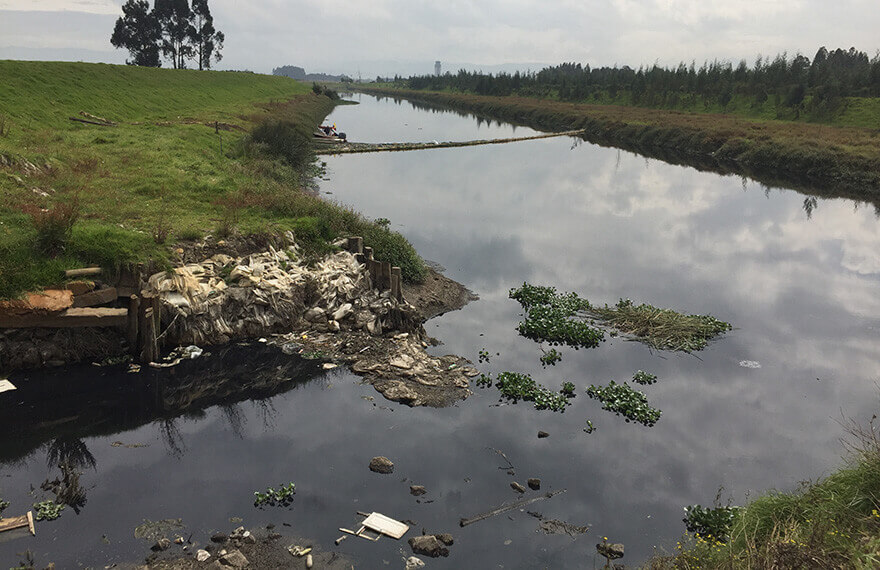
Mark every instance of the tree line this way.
pixel 172 29
pixel 794 82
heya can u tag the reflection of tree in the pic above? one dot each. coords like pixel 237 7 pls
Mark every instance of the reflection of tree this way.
pixel 810 204
pixel 69 451
pixel 235 418
pixel 267 412
pixel 171 436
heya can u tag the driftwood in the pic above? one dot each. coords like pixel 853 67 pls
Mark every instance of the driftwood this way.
pixel 508 507
pixel 83 272
pixel 351 148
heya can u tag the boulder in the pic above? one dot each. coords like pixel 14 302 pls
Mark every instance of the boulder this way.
pixel 610 551
pixel 445 538
pixel 234 559
pixel 315 315
pixel 417 490
pixel 382 465
pixel 534 483
pixel 413 563
pixel 428 545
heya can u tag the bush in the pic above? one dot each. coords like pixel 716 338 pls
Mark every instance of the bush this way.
pixel 284 139
pixel 54 225
pixel 392 247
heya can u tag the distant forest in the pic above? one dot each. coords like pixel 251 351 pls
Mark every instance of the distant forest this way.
pixel 300 74
pixel 815 87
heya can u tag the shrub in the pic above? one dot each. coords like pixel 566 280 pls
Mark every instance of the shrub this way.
pixel 284 139
pixel 54 225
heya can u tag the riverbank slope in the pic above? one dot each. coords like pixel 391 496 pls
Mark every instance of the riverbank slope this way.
pixel 815 159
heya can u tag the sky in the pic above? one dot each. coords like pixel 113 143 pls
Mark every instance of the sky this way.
pixel 387 37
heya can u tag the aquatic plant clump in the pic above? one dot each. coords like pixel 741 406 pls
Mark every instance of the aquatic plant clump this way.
pixel 711 523
pixel 644 378
pixel 624 401
pixel 550 357
pixel 47 510
pixel 283 496
pixel 515 386
pixel 663 329
pixel 549 317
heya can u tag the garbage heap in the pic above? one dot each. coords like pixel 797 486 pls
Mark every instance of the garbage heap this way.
pixel 225 297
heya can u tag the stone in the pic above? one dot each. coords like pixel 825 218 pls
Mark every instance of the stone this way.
pixel 343 311
pixel 413 563
pixel 428 545
pixel 382 465
pixel 534 483
pixel 610 551
pixel 202 555
pixel 333 326
pixel 235 559
pixel 315 315
pixel 178 540
pixel 248 538
pixel 543 434
pixel 517 487
pixel 219 537
pixel 417 490
pixel 445 538
pixel 161 544
pixel 80 287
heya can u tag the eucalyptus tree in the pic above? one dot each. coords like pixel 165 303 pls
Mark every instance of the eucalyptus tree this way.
pixel 207 40
pixel 138 31
pixel 175 21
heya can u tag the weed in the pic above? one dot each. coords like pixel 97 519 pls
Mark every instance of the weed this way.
pixel 3 505
pixel 550 357
pixel 484 355
pixel 515 386
pixel 54 225
pixel 281 497
pixel 710 523
pixel 567 390
pixel 624 401
pixel 47 510
pixel 590 427
pixel 644 378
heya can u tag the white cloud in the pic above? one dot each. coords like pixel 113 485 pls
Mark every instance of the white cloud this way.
pixel 87 6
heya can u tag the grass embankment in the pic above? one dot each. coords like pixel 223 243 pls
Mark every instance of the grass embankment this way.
pixel 837 160
pixel 833 523
pixel 75 194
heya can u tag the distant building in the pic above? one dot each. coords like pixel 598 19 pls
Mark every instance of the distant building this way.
pixel 437 68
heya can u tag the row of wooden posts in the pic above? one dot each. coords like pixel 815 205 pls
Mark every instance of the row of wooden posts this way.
pixel 385 276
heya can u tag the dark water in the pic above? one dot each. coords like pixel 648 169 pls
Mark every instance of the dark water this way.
pixel 799 287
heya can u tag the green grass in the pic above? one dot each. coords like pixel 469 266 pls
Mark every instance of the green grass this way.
pixel 164 174
pixel 831 523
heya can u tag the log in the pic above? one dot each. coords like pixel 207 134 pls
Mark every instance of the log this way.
pixel 131 330
pixel 149 350
pixel 83 272
pixel 98 297
pixel 508 507
pixel 71 318
pixel 77 119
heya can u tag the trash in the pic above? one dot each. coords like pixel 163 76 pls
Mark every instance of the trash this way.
pixel 517 487
pixel 298 550
pixel 309 561
pixel 6 385
pixel 329 366
pixel 340 539
pixel 508 507
pixel 202 555
pixel 192 352
pixel 385 525
pixel 429 545
pixel 12 523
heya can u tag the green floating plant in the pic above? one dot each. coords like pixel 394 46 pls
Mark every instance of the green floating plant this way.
pixel 515 386
pixel 644 378
pixel 47 510
pixel 283 496
pixel 624 401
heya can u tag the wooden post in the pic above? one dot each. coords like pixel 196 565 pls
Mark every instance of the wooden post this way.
pixel 132 327
pixel 368 253
pixel 149 350
pixel 157 317
pixel 386 276
pixel 396 283
pixel 356 245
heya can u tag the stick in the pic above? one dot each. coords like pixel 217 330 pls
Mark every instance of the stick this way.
pixel 501 453
pixel 91 122
pixel 508 507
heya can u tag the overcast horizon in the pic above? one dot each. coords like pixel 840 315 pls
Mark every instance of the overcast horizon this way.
pixel 388 37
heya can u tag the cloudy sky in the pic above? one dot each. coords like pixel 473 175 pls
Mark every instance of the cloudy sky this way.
pixel 406 36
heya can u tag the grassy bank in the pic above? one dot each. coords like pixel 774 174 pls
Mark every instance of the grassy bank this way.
pixel 832 523
pixel 818 159
pixel 178 154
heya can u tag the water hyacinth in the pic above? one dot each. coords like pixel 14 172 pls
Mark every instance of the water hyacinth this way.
pixel 624 401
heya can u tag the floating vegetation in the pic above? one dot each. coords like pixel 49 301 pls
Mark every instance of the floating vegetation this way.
pixel 644 378
pixel 3 505
pixel 710 523
pixel 281 497
pixel 624 401
pixel 590 427
pixel 47 510
pixel 484 355
pixel 560 318
pixel 549 316
pixel 550 357
pixel 516 386
pixel 154 530
pixel 663 329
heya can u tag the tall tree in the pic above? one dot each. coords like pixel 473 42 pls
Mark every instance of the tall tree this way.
pixel 207 41
pixel 174 17
pixel 138 32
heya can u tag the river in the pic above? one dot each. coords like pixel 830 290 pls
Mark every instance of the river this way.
pixel 758 409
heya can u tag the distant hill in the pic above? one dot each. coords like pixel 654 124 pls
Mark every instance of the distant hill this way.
pixel 300 74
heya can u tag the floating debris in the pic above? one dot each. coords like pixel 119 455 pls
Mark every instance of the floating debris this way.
pixel 749 363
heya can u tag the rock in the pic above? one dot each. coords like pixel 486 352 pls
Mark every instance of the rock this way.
pixel 333 326
pixel 161 544
pixel 235 559
pixel 417 490
pixel 610 551
pixel 445 538
pixel 413 563
pixel 428 545
pixel 248 538
pixel 178 540
pixel 543 434
pixel 382 465
pixel 517 487
pixel 202 555
pixel 343 311
pixel 315 315
pixel 534 483
pixel 219 537
pixel 309 561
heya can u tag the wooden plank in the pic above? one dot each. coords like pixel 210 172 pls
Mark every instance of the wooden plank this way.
pixel 396 283
pixel 385 525
pixel 356 245
pixel 99 297
pixel 131 329
pixel 12 523
pixel 30 519
pixel 71 318
pixel 83 272
pixel 368 253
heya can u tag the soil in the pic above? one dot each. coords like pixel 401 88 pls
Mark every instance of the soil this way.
pixel 437 295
